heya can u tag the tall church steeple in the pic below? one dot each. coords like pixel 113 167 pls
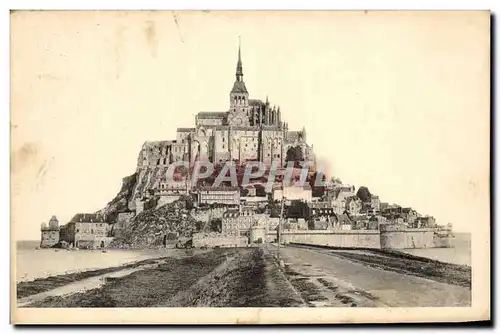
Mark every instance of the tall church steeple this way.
pixel 239 65
pixel 239 94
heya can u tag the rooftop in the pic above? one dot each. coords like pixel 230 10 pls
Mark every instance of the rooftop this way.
pixel 185 129
pixel 211 188
pixel 87 217
pixel 211 114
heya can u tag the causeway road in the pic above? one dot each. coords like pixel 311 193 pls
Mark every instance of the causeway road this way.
pixel 326 279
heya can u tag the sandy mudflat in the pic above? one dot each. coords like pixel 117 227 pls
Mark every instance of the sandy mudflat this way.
pixel 223 277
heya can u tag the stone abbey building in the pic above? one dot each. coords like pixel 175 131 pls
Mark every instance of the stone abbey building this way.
pixel 248 130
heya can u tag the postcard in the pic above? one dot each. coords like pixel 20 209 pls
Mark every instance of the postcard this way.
pixel 250 167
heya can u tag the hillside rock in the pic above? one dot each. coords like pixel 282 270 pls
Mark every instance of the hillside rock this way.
pixel 147 229
pixel 120 202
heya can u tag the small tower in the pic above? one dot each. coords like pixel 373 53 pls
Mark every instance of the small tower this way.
pixel 50 233
pixel 53 223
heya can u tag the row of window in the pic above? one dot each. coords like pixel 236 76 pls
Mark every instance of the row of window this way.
pixel 98 224
pixel 239 98
pixel 91 231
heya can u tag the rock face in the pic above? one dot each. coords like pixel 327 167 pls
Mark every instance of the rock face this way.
pixel 146 178
pixel 149 228
pixel 119 204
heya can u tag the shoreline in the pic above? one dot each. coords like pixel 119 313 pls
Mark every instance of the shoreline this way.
pixel 235 277
pixel 34 264
pixel 43 284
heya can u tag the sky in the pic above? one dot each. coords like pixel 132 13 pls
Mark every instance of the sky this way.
pixel 395 101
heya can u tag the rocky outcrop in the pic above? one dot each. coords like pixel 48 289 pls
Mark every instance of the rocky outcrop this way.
pixel 119 204
pixel 148 178
pixel 148 229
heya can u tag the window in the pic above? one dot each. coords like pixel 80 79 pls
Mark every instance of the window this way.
pixel 92 231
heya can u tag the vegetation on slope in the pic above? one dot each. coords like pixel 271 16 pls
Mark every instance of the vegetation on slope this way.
pixel 148 228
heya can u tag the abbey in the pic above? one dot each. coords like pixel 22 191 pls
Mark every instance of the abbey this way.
pixel 249 130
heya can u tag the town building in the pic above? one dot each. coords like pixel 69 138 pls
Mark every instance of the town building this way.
pixel 375 204
pixel 343 222
pixel 249 190
pixel 425 221
pixel 88 231
pixel 295 224
pixel 353 205
pixel 409 215
pixel 219 195
pixel 249 129
pixel 320 211
pixel 50 233
pixel 293 193
pixel 238 222
pixel 338 197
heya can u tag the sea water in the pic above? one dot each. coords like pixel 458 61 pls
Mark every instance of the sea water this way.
pixel 460 253
pixel 34 263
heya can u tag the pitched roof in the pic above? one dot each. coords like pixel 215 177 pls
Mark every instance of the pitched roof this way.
pixel 185 129
pixel 254 102
pixel 211 114
pixel 239 87
pixel 87 217
pixel 343 218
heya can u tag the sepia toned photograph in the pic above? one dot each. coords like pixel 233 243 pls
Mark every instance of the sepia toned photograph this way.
pixel 250 167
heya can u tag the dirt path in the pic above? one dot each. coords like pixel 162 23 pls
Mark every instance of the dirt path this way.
pixel 250 277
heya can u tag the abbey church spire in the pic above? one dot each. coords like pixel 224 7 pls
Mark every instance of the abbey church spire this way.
pixel 239 85
pixel 239 95
pixel 239 65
